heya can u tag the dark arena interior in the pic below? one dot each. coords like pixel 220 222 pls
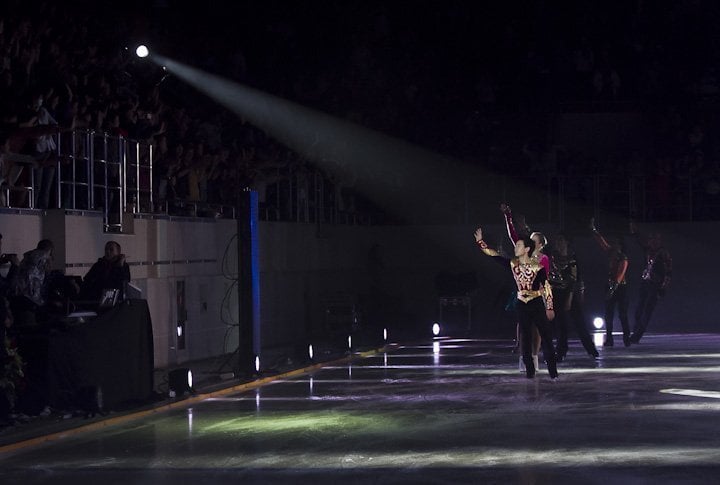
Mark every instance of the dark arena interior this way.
pixel 359 242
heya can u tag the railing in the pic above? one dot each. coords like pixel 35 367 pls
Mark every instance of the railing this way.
pixel 100 172
pixel 92 174
pixel 298 194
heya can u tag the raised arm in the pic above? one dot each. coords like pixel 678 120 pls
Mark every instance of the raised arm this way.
pixel 599 237
pixel 483 245
pixel 512 233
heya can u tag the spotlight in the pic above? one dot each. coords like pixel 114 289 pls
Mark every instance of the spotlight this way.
pixel 180 330
pixel 598 323
pixel 142 51
pixel 257 363
pixel 385 334
pixel 436 329
pixel 180 381
pixel 350 342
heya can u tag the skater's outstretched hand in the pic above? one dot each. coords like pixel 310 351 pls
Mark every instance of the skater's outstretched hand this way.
pixel 478 234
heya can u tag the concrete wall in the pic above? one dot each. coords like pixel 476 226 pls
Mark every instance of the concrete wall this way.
pixel 301 268
pixel 389 271
pixel 161 252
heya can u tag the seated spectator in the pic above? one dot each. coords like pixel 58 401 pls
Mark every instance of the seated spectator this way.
pixel 110 271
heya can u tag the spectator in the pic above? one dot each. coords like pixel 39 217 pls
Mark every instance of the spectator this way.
pixel 42 150
pixel 28 287
pixel 110 271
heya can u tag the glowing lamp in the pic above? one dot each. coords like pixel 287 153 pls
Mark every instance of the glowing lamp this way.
pixel 180 381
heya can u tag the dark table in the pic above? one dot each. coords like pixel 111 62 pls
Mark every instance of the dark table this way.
pixel 112 351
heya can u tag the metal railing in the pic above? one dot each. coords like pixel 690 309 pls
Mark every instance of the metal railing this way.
pixel 92 174
pixel 100 172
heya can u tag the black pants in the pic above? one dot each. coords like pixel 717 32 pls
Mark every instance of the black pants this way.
pixel 619 299
pixel 532 314
pixel 575 316
pixel 649 294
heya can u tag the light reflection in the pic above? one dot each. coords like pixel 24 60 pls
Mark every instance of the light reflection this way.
pixel 478 457
pixel 415 356
pixel 673 356
pixel 503 368
pixel 599 339
pixel 423 347
pixel 688 406
pixel 257 400
pixel 703 406
pixel 692 392
pixel 190 421
pixel 436 353
pixel 332 421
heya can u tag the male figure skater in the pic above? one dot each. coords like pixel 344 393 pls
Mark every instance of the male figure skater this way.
pixel 535 300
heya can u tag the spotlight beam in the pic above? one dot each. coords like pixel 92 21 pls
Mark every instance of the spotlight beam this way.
pixel 392 172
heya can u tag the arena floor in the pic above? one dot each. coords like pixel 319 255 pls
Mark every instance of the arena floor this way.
pixel 444 411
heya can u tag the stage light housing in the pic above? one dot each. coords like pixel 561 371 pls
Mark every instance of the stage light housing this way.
pixel 180 381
